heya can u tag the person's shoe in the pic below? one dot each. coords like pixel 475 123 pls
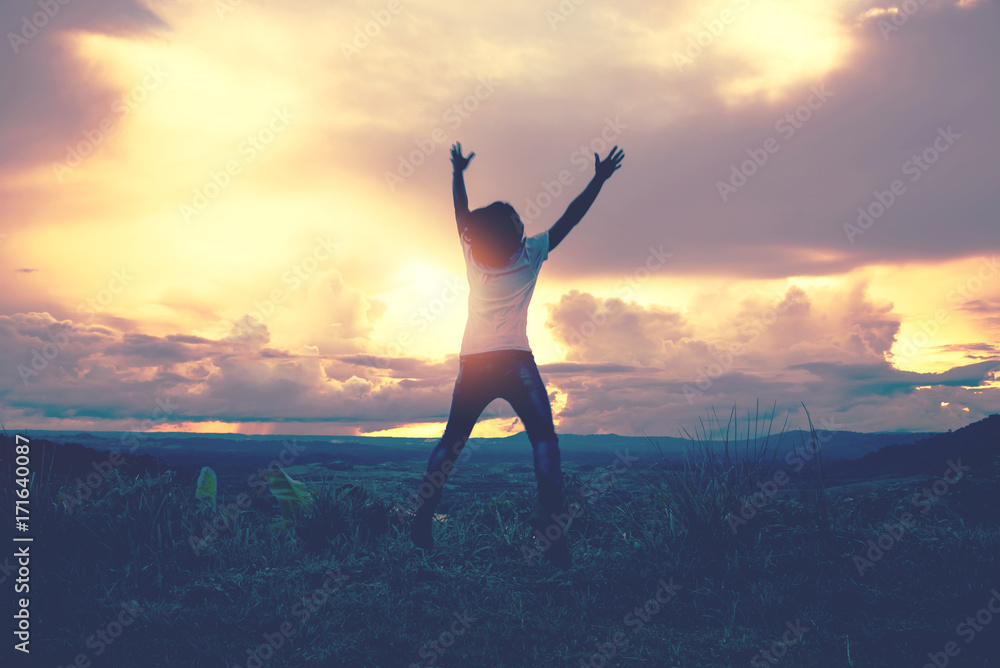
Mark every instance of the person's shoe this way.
pixel 558 554
pixel 420 531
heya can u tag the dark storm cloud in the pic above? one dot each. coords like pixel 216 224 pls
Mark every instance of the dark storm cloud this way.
pixel 867 379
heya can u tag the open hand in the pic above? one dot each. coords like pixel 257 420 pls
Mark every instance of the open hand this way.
pixel 604 169
pixel 457 161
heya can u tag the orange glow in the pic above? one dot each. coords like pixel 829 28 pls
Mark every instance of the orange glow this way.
pixel 210 427
pixel 210 170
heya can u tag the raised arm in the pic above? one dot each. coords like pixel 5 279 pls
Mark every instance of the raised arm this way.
pixel 459 164
pixel 579 206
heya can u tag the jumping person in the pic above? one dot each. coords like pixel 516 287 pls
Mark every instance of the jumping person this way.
pixel 495 359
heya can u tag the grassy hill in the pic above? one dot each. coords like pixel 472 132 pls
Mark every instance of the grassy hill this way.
pixel 702 564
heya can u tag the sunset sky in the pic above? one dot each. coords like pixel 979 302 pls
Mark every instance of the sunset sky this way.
pixel 236 216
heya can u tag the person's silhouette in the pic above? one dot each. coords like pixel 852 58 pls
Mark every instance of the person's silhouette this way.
pixel 495 359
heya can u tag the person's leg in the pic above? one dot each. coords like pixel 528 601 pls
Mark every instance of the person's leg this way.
pixel 526 393
pixel 470 396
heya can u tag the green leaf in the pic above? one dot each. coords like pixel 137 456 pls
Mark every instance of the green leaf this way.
pixel 207 485
pixel 289 492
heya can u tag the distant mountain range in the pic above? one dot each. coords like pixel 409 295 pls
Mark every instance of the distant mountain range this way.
pixel 846 455
pixel 179 445
pixel 977 445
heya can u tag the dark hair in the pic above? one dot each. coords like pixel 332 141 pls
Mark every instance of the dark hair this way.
pixel 494 233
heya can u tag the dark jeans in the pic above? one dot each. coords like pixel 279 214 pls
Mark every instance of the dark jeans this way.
pixel 483 377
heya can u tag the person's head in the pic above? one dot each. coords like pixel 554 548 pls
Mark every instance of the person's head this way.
pixel 495 232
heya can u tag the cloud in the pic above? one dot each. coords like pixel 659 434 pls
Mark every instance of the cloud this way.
pixel 765 294
pixel 573 368
pixel 882 379
pixel 610 330
pixel 766 330
pixel 50 93
pixel 66 369
pixel 823 345
pixel 71 370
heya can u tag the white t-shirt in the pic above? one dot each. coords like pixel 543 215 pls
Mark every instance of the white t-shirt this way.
pixel 499 297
